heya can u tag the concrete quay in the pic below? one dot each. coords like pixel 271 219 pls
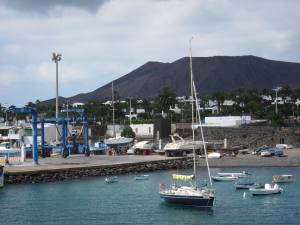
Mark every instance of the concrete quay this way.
pixel 77 166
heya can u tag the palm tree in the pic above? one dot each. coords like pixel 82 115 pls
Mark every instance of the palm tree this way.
pixel 166 99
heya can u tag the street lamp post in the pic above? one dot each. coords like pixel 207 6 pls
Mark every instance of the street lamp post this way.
pixel 276 93
pixel 56 57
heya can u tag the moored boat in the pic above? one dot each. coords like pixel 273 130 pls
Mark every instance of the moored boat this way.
pixel 268 189
pixel 142 177
pixel 190 195
pixel 283 178
pixel 247 185
pixel 214 155
pixel 111 179
pixel 242 174
pixel 224 178
pixel 7 149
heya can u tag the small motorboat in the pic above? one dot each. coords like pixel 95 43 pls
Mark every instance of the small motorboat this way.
pixel 111 179
pixel 283 178
pixel 247 185
pixel 142 177
pixel 242 174
pixel 268 189
pixel 214 155
pixel 224 178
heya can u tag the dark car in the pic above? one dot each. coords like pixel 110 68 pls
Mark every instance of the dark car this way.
pixel 260 149
pixel 278 152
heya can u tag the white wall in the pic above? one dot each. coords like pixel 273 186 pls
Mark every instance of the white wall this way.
pixel 143 130
pixel 110 130
pixel 49 132
pixel 227 120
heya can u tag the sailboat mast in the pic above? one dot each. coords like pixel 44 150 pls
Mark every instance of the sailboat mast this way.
pixel 130 111
pixel 202 135
pixel 113 108
pixel 192 100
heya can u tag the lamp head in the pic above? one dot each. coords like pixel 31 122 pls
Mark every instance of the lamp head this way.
pixel 56 57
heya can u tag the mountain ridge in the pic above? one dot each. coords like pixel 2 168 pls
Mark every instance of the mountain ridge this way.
pixel 211 74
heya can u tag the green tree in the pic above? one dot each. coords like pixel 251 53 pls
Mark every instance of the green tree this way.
pixel 128 132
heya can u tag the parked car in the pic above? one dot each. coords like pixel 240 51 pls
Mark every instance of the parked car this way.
pixel 272 152
pixel 266 153
pixel 258 150
pixel 278 152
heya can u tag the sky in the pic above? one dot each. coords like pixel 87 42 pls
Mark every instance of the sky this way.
pixel 102 40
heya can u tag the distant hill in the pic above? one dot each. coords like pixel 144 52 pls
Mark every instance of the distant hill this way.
pixel 218 73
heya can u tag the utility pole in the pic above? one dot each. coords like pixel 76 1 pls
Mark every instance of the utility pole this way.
pixel 130 111
pixel 56 57
pixel 113 108
pixel 276 97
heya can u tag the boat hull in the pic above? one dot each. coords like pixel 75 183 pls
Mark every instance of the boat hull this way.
pixel 265 193
pixel 258 191
pixel 224 178
pixel 247 186
pixel 111 179
pixel 197 201
pixel 283 178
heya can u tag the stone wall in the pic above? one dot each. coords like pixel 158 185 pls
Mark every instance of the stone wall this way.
pixel 76 173
pixel 254 136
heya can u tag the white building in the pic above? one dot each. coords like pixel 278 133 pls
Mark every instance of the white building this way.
pixel 228 103
pixel 138 111
pixel 140 130
pixel 226 121
pixel 266 97
pixel 110 130
pixel 77 104
pixel 143 130
pixel 25 135
pixel 176 109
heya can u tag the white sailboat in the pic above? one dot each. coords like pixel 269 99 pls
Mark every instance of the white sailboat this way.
pixel 190 194
pixel 117 142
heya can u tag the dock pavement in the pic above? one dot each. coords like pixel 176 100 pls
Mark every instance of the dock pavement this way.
pixel 79 161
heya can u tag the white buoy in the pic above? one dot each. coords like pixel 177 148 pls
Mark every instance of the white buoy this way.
pixel 23 153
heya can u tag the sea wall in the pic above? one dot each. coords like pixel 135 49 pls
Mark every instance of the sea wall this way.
pixel 52 175
pixel 254 136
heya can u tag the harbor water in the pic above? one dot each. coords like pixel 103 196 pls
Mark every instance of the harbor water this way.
pixel 130 201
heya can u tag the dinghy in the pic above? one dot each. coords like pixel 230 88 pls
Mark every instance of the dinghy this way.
pixel 142 177
pixel 268 189
pixel 283 178
pixel 111 179
pixel 242 174
pixel 225 178
pixel 247 185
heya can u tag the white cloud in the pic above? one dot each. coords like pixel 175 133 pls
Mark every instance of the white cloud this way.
pixel 102 44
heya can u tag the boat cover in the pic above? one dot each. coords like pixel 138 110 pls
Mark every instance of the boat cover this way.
pixel 182 177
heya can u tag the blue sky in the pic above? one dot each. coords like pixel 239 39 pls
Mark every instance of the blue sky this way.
pixel 103 40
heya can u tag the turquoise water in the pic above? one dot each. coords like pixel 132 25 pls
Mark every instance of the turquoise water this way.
pixel 92 201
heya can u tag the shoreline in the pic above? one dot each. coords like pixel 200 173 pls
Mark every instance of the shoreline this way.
pixel 77 166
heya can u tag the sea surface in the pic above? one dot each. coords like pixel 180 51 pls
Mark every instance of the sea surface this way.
pixel 92 201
